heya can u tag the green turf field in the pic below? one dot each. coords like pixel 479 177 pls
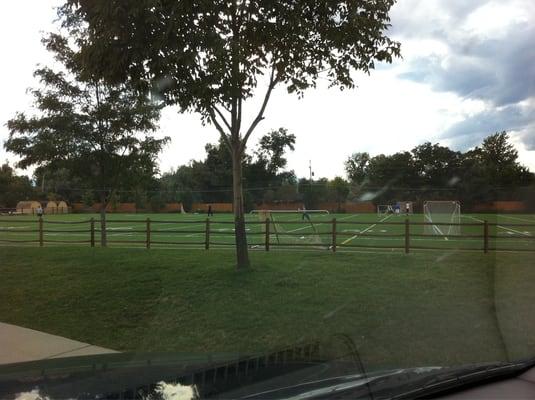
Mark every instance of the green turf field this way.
pixel 353 231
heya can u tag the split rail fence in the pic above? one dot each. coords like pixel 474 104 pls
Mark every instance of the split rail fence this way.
pixel 404 235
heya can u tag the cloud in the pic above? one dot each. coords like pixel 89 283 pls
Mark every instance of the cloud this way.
pixel 528 138
pixel 480 50
pixel 471 131
pixel 497 71
pixel 430 18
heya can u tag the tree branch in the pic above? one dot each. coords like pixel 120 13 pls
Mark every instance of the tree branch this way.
pixel 218 126
pixel 260 115
pixel 222 118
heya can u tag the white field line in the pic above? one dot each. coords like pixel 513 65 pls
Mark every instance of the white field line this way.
pixel 501 227
pixel 435 228
pixel 365 230
pixel 215 230
pixel 420 239
pixel 516 218
pixel 176 228
pixel 281 222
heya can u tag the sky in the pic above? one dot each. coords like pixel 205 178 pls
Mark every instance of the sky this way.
pixel 467 71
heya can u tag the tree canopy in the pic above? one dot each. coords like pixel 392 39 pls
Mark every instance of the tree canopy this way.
pixel 98 132
pixel 13 188
pixel 434 171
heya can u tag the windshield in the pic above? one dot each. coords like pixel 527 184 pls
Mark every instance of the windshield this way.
pixel 299 193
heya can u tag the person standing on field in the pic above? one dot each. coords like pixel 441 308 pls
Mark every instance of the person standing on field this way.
pixel 39 211
pixel 210 212
pixel 305 214
pixel 407 208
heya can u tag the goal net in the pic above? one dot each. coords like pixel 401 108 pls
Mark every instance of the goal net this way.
pixel 284 230
pixel 384 209
pixel 440 215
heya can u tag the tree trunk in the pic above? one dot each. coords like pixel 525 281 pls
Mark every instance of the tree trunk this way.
pixel 103 232
pixel 242 253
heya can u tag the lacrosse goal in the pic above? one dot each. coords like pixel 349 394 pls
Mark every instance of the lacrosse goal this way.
pixel 443 218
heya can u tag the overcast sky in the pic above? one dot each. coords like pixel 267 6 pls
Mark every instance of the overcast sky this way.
pixel 468 70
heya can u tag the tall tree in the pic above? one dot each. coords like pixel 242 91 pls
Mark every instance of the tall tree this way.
pixel 436 166
pixel 13 188
pixel 97 131
pixel 272 148
pixel 339 189
pixel 356 167
pixel 211 177
pixel 397 169
pixel 500 160
pixel 211 56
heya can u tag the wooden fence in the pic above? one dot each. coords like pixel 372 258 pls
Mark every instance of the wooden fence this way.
pixel 148 236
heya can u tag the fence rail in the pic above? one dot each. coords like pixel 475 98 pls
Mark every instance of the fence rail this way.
pixel 269 237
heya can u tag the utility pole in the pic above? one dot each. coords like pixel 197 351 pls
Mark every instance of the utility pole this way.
pixel 311 174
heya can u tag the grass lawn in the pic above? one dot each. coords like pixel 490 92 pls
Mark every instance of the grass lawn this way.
pixel 440 308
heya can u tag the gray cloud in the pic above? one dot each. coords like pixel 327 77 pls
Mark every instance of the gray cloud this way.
pixel 499 71
pixel 528 138
pixel 473 130
pixel 406 21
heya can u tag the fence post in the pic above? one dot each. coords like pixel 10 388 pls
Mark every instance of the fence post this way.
pixel 92 237
pixel 334 236
pixel 267 234
pixel 41 231
pixel 407 236
pixel 148 233
pixel 207 235
pixel 485 237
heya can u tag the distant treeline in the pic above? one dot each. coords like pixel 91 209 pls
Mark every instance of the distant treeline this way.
pixel 490 172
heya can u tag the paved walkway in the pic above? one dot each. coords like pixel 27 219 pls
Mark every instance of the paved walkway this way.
pixel 19 344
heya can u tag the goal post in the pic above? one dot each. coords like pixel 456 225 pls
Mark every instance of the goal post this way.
pixel 442 218
pixel 384 209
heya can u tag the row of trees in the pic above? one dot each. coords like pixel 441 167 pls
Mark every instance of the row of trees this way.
pixel 210 180
pixel 488 172
pixel 14 188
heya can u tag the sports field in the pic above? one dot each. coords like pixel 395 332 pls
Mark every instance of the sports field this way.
pixel 515 232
